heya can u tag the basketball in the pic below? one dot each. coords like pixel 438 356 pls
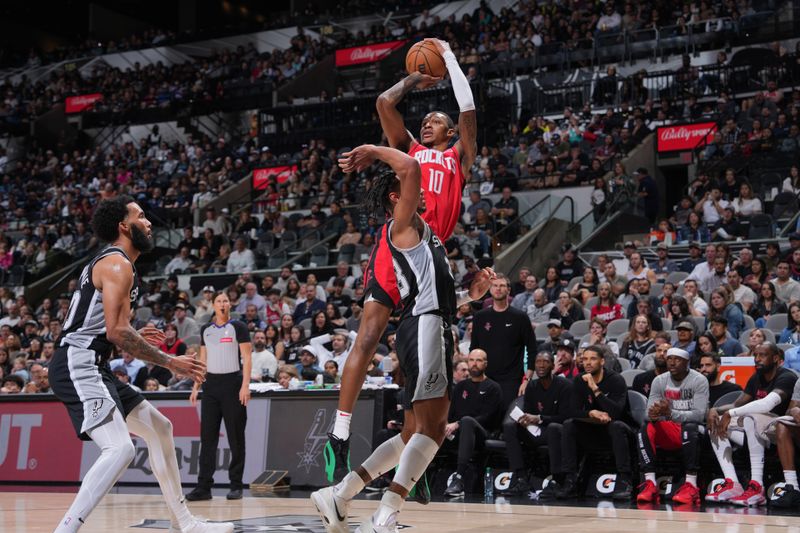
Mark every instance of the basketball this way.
pixel 424 57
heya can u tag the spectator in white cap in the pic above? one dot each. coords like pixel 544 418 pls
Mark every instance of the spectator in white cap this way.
pixel 307 367
pixel 555 334
pixel 675 410
pixel 204 307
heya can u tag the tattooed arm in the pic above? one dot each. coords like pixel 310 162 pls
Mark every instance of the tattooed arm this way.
pixel 391 120
pixel 467 145
pixel 113 275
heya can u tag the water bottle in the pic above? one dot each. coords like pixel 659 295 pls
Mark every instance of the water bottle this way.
pixel 488 485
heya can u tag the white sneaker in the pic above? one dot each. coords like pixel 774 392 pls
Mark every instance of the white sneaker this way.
pixel 201 526
pixel 369 526
pixel 332 510
pixel 725 492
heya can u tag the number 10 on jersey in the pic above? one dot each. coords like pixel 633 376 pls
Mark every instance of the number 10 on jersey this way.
pixel 435 180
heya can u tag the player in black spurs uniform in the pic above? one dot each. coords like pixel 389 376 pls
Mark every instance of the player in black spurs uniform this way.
pixel 424 346
pixel 102 408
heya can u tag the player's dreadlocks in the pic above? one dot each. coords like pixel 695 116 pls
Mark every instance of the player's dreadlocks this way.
pixel 376 201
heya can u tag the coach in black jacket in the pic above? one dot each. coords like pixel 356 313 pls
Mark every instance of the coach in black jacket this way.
pixel 476 410
pixel 599 420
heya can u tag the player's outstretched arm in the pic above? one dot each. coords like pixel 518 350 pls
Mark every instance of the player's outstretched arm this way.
pixel 114 276
pixel 391 119
pixel 467 145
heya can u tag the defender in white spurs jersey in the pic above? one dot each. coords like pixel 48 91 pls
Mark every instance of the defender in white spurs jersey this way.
pixel 428 302
pixel 102 408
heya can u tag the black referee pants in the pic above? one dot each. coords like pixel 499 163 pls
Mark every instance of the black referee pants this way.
pixel 221 402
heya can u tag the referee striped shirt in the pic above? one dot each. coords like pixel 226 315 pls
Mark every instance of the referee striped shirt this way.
pixel 222 345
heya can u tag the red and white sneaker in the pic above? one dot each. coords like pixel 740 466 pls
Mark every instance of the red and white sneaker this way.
pixel 725 492
pixel 752 496
pixel 648 492
pixel 687 493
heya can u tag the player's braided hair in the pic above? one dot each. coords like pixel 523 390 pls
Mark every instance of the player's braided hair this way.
pixel 376 201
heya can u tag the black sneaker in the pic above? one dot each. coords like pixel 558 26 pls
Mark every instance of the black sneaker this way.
pixel 789 498
pixel 519 486
pixel 421 492
pixel 456 487
pixel 198 495
pixel 550 492
pixel 337 458
pixel 623 490
pixel 380 484
pixel 234 494
pixel 569 489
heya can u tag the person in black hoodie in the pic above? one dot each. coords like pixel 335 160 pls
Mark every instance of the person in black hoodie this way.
pixel 476 410
pixel 598 420
pixel 546 405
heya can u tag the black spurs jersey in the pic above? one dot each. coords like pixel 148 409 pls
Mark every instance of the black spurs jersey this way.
pixel 85 325
pixel 423 274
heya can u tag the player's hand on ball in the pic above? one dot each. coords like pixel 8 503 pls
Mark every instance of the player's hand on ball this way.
pixel 441 46
pixel 189 366
pixel 152 335
pixel 425 81
pixel 357 159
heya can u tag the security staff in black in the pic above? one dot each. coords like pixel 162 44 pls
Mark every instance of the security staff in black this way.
pixel 224 342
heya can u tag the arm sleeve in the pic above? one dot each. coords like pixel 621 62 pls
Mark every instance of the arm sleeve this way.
pixel 461 87
pixel 242 333
pixel 762 406
pixel 614 401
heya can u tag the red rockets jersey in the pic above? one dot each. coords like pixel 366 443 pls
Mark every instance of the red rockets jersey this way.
pixel 443 182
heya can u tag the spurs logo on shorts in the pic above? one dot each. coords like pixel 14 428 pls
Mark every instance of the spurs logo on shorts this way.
pixel 98 405
pixel 431 382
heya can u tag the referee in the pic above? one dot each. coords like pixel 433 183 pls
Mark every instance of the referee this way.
pixel 226 392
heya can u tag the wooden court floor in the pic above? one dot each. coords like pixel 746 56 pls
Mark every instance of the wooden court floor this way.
pixel 31 512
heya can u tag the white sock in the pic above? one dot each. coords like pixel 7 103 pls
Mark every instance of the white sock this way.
pixel 691 479
pixel 117 453
pixel 650 476
pixel 348 487
pixel 156 430
pixel 756 448
pixel 341 425
pixel 790 476
pixel 391 503
pixel 723 451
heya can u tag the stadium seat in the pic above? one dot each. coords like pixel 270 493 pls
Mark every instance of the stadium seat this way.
pixel 144 313
pixel 777 323
pixel 347 253
pixel 749 323
pixel 628 375
pixel 574 281
pixel 638 406
pixel 730 397
pixel 784 206
pixel 579 328
pixel 666 324
pixel 618 327
pixel 761 227
pixel 540 331
pixel 676 277
pixel 700 324
pixel 320 255
pixel 746 334
pixel 624 364
pixel 591 302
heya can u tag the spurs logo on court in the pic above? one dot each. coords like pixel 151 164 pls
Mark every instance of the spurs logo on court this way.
pixel 316 438
pixel 431 382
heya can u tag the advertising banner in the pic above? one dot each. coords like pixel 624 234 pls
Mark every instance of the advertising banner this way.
pixel 76 104
pixel 684 136
pixel 737 369
pixel 38 443
pixel 369 53
pixel 264 176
